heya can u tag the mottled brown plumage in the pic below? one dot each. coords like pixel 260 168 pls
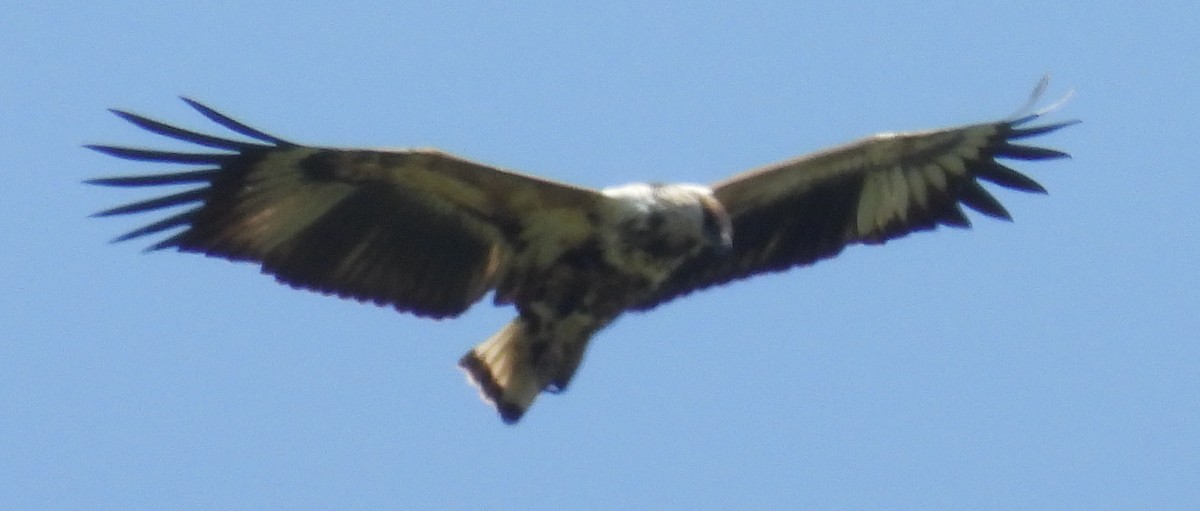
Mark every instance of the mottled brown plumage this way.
pixel 431 233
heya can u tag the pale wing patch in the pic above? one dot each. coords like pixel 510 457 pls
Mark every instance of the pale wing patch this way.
pixel 276 202
pixel 869 202
pixel 918 189
pixel 548 232
pixel 421 172
pixel 898 198
pixel 867 156
pixel 935 174
pixel 890 197
pixel 906 170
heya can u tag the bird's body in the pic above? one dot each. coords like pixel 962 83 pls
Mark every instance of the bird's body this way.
pixel 431 233
pixel 640 235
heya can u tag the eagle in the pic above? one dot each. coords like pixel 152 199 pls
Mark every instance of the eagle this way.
pixel 431 233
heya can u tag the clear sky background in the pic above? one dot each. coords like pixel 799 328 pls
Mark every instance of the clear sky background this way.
pixel 1049 363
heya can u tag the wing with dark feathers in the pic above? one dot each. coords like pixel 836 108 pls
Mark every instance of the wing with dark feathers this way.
pixel 884 187
pixel 423 231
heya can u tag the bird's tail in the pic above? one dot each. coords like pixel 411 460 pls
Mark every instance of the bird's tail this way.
pixel 503 369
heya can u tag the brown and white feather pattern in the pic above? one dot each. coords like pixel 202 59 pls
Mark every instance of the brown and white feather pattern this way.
pixel 431 233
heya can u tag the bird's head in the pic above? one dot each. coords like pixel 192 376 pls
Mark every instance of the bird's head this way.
pixel 685 214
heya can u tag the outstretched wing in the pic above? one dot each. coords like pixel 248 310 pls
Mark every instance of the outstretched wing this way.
pixel 423 231
pixel 883 187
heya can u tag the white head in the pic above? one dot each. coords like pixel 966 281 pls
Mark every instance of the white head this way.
pixel 671 220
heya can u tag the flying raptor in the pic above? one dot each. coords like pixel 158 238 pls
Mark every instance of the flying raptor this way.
pixel 430 233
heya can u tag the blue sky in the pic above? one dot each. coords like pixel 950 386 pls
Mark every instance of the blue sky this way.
pixel 1049 363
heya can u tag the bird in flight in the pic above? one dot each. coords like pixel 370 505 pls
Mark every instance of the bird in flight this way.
pixel 431 233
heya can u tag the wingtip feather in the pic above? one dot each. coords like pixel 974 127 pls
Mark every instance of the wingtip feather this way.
pixel 1019 133
pixel 234 125
pixel 1025 152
